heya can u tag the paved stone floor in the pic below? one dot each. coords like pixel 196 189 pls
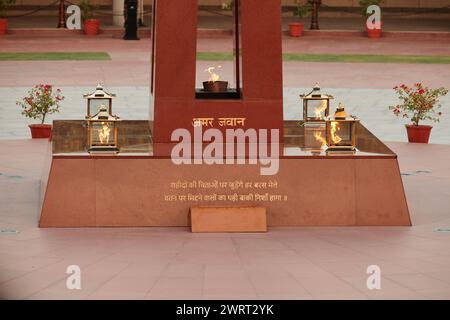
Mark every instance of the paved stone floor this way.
pixel 370 105
pixel 365 88
pixel 397 22
pixel 285 263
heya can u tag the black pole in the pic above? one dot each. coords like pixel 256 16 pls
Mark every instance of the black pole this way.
pixel 315 14
pixel 131 23
pixel 62 15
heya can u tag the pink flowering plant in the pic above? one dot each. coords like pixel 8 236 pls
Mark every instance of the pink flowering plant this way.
pixel 418 103
pixel 41 100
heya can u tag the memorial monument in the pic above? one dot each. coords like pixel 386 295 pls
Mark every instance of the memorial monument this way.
pixel 303 175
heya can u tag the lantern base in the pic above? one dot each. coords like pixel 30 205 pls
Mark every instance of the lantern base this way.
pixel 97 150
pixel 341 149
pixel 314 123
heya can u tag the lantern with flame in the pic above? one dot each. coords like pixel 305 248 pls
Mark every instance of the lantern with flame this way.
pixel 214 84
pixel 96 99
pixel 316 105
pixel 314 139
pixel 102 131
pixel 341 131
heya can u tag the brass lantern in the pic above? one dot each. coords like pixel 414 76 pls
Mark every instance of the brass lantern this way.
pixel 102 132
pixel 316 105
pixel 341 131
pixel 96 99
pixel 314 139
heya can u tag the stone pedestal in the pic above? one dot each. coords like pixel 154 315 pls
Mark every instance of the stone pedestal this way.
pixel 118 19
pixel 135 188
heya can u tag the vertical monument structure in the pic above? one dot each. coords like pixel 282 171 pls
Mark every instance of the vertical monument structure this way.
pixel 256 99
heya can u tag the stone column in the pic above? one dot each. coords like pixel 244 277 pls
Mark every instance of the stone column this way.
pixel 118 19
pixel 141 12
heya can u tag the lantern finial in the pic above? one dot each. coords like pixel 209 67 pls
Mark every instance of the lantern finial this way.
pixel 340 112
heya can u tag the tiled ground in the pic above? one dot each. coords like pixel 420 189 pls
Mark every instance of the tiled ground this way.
pixel 285 263
pixel 397 22
pixel 370 105
pixel 365 88
pixel 131 60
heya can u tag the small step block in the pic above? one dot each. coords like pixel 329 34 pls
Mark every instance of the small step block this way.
pixel 228 219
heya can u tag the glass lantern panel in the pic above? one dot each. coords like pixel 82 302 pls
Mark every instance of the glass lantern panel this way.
pixel 341 133
pixel 102 134
pixel 94 105
pixel 315 137
pixel 317 108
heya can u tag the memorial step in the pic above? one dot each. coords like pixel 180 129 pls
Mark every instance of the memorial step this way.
pixel 228 219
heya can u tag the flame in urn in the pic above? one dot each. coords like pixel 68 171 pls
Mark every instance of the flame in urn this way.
pixel 334 129
pixel 213 76
pixel 103 133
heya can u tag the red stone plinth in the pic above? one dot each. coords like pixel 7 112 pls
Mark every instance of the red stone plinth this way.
pixel 89 191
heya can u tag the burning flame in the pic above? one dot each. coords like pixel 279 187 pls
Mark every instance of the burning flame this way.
pixel 103 133
pixel 318 111
pixel 318 136
pixel 334 129
pixel 213 77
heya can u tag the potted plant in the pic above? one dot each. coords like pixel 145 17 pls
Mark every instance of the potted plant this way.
pixel 4 5
pixel 300 10
pixel 376 32
pixel 418 103
pixel 41 100
pixel 91 26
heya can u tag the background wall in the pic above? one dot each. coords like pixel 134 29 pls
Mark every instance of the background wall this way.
pixel 337 3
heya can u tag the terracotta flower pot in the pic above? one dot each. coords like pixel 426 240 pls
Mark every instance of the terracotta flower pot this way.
pixel 3 26
pixel 418 134
pixel 295 29
pixel 91 27
pixel 374 33
pixel 41 131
